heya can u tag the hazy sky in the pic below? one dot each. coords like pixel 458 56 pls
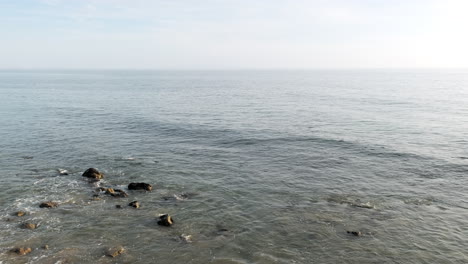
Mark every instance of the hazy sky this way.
pixel 232 34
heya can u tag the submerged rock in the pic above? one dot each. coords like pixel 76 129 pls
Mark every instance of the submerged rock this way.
pixel 113 192
pixel 49 204
pixel 118 206
pixel 186 238
pixel 354 233
pixel 92 173
pixel 21 251
pixel 62 172
pixel 165 220
pixel 115 251
pixel 20 213
pixel 134 204
pixel 119 193
pixel 140 186
pixel 28 226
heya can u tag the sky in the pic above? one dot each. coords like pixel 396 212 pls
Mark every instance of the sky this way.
pixel 233 34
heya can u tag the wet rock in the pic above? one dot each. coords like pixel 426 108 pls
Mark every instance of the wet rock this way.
pixel 21 251
pixel 92 173
pixel 62 172
pixel 115 251
pixel 165 220
pixel 140 186
pixel 134 204
pixel 354 233
pixel 49 204
pixel 20 213
pixel 118 206
pixel 28 226
pixel 119 193
pixel 113 192
pixel 45 247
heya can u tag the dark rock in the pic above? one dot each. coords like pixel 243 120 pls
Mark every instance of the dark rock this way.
pixel 140 186
pixel 134 204
pixel 49 204
pixel 165 220
pixel 21 251
pixel 354 233
pixel 20 213
pixel 92 173
pixel 28 226
pixel 118 206
pixel 115 251
pixel 27 157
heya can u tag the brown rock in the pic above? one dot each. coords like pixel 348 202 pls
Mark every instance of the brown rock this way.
pixel 45 247
pixel 134 204
pixel 115 251
pixel 49 204
pixel 21 251
pixel 119 193
pixel 20 213
pixel 140 186
pixel 29 226
pixel 92 173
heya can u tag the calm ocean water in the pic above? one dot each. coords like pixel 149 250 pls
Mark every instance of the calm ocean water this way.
pixel 276 166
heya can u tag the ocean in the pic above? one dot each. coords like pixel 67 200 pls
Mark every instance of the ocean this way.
pixel 319 166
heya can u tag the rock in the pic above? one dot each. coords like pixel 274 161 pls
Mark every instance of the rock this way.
pixel 101 189
pixel 118 206
pixel 62 172
pixel 119 193
pixel 49 204
pixel 354 233
pixel 140 186
pixel 186 238
pixel 114 252
pixel 165 220
pixel 134 204
pixel 45 247
pixel 92 173
pixel 29 226
pixel 21 251
pixel 20 213
pixel 114 192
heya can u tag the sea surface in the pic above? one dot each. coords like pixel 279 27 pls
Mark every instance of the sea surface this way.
pixel 256 166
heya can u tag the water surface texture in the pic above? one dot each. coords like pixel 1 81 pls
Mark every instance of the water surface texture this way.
pixel 257 166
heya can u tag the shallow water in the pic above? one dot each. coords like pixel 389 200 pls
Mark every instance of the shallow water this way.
pixel 277 165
